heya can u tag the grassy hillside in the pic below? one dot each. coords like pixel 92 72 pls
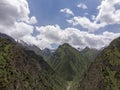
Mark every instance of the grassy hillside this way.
pixel 90 53
pixel 68 62
pixel 104 73
pixel 21 69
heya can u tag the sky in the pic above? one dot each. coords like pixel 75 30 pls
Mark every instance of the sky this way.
pixel 50 23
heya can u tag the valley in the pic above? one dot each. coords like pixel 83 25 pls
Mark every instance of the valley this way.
pixel 64 69
pixel 59 44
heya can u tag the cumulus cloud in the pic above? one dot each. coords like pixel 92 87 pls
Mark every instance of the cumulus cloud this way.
pixel 85 23
pixel 82 5
pixel 108 14
pixel 15 20
pixel 67 11
pixel 12 11
pixel 54 34
pixel 32 20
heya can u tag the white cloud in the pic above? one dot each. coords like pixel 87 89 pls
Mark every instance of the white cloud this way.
pixel 15 20
pixel 85 23
pixel 54 34
pixel 86 14
pixel 82 5
pixel 32 20
pixel 93 17
pixel 67 11
pixel 12 11
pixel 21 29
pixel 107 15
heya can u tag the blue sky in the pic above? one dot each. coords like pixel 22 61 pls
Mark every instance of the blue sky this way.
pixel 50 23
pixel 48 12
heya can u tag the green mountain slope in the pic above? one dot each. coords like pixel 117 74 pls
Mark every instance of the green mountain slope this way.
pixel 21 69
pixel 68 62
pixel 90 53
pixel 104 73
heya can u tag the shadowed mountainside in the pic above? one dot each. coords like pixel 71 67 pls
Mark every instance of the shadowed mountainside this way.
pixel 104 73
pixel 22 69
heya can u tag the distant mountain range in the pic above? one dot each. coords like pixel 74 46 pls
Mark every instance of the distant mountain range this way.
pixel 45 53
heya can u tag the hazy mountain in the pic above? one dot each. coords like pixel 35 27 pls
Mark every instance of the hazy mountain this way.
pixel 45 53
pixel 34 48
pixel 68 62
pixel 90 53
pixel 22 69
pixel 104 73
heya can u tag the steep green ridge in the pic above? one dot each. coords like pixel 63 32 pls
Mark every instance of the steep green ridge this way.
pixel 68 62
pixel 104 73
pixel 21 69
pixel 90 53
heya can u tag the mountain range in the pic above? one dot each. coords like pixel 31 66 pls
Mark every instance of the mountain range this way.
pixel 27 67
pixel 45 53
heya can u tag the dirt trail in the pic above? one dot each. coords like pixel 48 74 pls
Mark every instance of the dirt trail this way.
pixel 69 85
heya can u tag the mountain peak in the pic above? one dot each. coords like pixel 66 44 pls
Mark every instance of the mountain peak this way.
pixel 46 52
pixel 86 48
pixel 68 62
pixel 65 45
